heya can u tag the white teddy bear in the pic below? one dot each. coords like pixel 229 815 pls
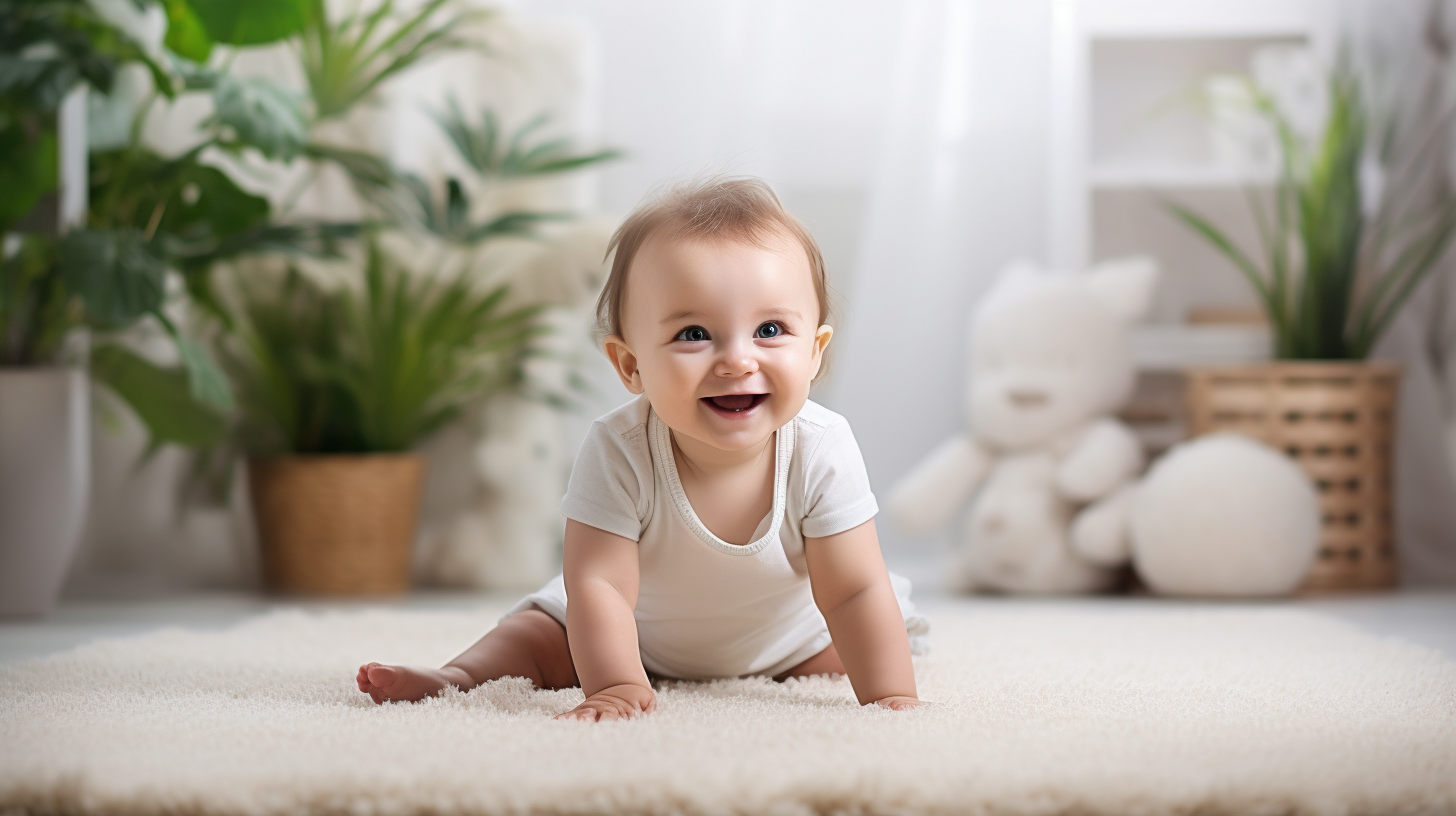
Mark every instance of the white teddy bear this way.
pixel 1049 363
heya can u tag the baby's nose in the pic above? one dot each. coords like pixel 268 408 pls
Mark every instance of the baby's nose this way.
pixel 736 362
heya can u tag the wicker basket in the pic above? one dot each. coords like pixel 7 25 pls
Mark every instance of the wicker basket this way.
pixel 337 525
pixel 1336 419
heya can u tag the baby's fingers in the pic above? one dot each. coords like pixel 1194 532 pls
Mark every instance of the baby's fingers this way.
pixel 578 713
pixel 900 703
pixel 586 712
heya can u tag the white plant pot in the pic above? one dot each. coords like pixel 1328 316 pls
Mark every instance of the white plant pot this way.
pixel 44 482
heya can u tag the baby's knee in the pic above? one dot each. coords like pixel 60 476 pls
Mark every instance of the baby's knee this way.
pixel 533 632
pixel 531 627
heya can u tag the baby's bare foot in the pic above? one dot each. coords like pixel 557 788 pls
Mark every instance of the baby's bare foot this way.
pixel 406 683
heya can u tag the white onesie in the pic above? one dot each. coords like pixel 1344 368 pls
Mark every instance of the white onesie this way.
pixel 707 608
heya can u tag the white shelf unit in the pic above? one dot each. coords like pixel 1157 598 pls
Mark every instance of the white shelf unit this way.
pixel 1130 176
pixel 1129 135
pixel 1168 347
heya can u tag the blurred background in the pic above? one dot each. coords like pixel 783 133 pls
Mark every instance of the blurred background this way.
pixel 927 144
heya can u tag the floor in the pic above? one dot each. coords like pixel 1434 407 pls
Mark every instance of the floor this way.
pixel 1426 617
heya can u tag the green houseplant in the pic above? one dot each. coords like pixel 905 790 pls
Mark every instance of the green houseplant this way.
pixel 66 277
pixel 1337 262
pixel 337 383
pixel 334 388
pixel 154 227
pixel 164 232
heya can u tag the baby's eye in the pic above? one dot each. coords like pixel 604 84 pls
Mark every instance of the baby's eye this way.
pixel 767 330
pixel 692 334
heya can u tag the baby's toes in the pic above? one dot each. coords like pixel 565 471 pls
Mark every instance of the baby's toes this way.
pixel 385 678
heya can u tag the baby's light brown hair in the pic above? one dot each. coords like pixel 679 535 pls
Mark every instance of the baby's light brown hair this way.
pixel 717 209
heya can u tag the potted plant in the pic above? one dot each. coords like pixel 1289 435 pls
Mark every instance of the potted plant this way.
pixel 334 388
pixel 66 279
pixel 336 384
pixel 155 220
pixel 1339 259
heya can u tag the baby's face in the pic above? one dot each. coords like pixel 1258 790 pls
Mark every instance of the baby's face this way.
pixel 723 338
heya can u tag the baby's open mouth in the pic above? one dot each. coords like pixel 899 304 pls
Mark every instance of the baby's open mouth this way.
pixel 735 403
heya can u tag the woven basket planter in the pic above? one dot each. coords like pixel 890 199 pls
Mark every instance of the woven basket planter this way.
pixel 1337 420
pixel 337 525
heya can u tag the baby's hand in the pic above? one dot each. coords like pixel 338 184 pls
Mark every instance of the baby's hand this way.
pixel 614 703
pixel 900 703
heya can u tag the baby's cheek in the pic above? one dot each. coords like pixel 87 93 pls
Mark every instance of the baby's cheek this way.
pixel 673 383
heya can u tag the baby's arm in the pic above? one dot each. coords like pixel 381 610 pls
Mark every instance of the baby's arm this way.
pixel 852 589
pixel 601 575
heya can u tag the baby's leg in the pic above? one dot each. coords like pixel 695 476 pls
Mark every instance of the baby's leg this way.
pixel 826 662
pixel 529 644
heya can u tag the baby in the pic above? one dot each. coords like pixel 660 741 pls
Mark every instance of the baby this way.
pixel 720 524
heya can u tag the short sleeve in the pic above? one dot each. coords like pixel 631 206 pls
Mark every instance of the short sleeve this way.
pixel 606 488
pixel 837 494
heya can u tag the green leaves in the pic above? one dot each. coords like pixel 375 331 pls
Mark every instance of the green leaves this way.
pixel 186 35
pixel 202 196
pixel 28 172
pixel 412 200
pixel 262 115
pixel 346 60
pixel 484 149
pixel 47 48
pixel 191 209
pixel 114 273
pixel 160 397
pixel 36 311
pixel 1331 281
pixel 450 218
pixel 369 370
pixel 372 367
pixel 249 22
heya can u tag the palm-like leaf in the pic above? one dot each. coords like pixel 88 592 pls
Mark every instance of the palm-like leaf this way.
pixel 449 217
pixel 1317 309
pixel 484 149
pixel 346 60
pixel 373 370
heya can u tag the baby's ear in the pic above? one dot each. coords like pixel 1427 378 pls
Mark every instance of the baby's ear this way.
pixel 1125 285
pixel 624 362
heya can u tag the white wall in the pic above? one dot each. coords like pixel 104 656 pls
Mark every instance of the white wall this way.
pixel 794 91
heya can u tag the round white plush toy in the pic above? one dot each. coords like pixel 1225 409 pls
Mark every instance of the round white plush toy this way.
pixel 1224 515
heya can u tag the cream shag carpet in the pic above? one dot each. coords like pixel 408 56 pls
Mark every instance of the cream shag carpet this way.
pixel 1111 711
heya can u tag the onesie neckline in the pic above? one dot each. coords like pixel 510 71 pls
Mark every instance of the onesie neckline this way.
pixel 661 445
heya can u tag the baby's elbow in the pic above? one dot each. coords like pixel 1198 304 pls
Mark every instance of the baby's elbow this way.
pixel 835 600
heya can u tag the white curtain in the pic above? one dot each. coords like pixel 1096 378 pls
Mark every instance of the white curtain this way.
pixel 961 189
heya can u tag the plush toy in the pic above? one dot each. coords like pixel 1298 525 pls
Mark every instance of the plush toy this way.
pixel 1049 363
pixel 1220 516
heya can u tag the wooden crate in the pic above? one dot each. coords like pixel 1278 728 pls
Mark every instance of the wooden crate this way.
pixel 1337 420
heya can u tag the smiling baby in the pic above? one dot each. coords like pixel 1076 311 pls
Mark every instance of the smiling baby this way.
pixel 720 524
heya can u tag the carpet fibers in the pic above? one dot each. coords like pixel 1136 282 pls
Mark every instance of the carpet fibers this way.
pixel 1041 711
